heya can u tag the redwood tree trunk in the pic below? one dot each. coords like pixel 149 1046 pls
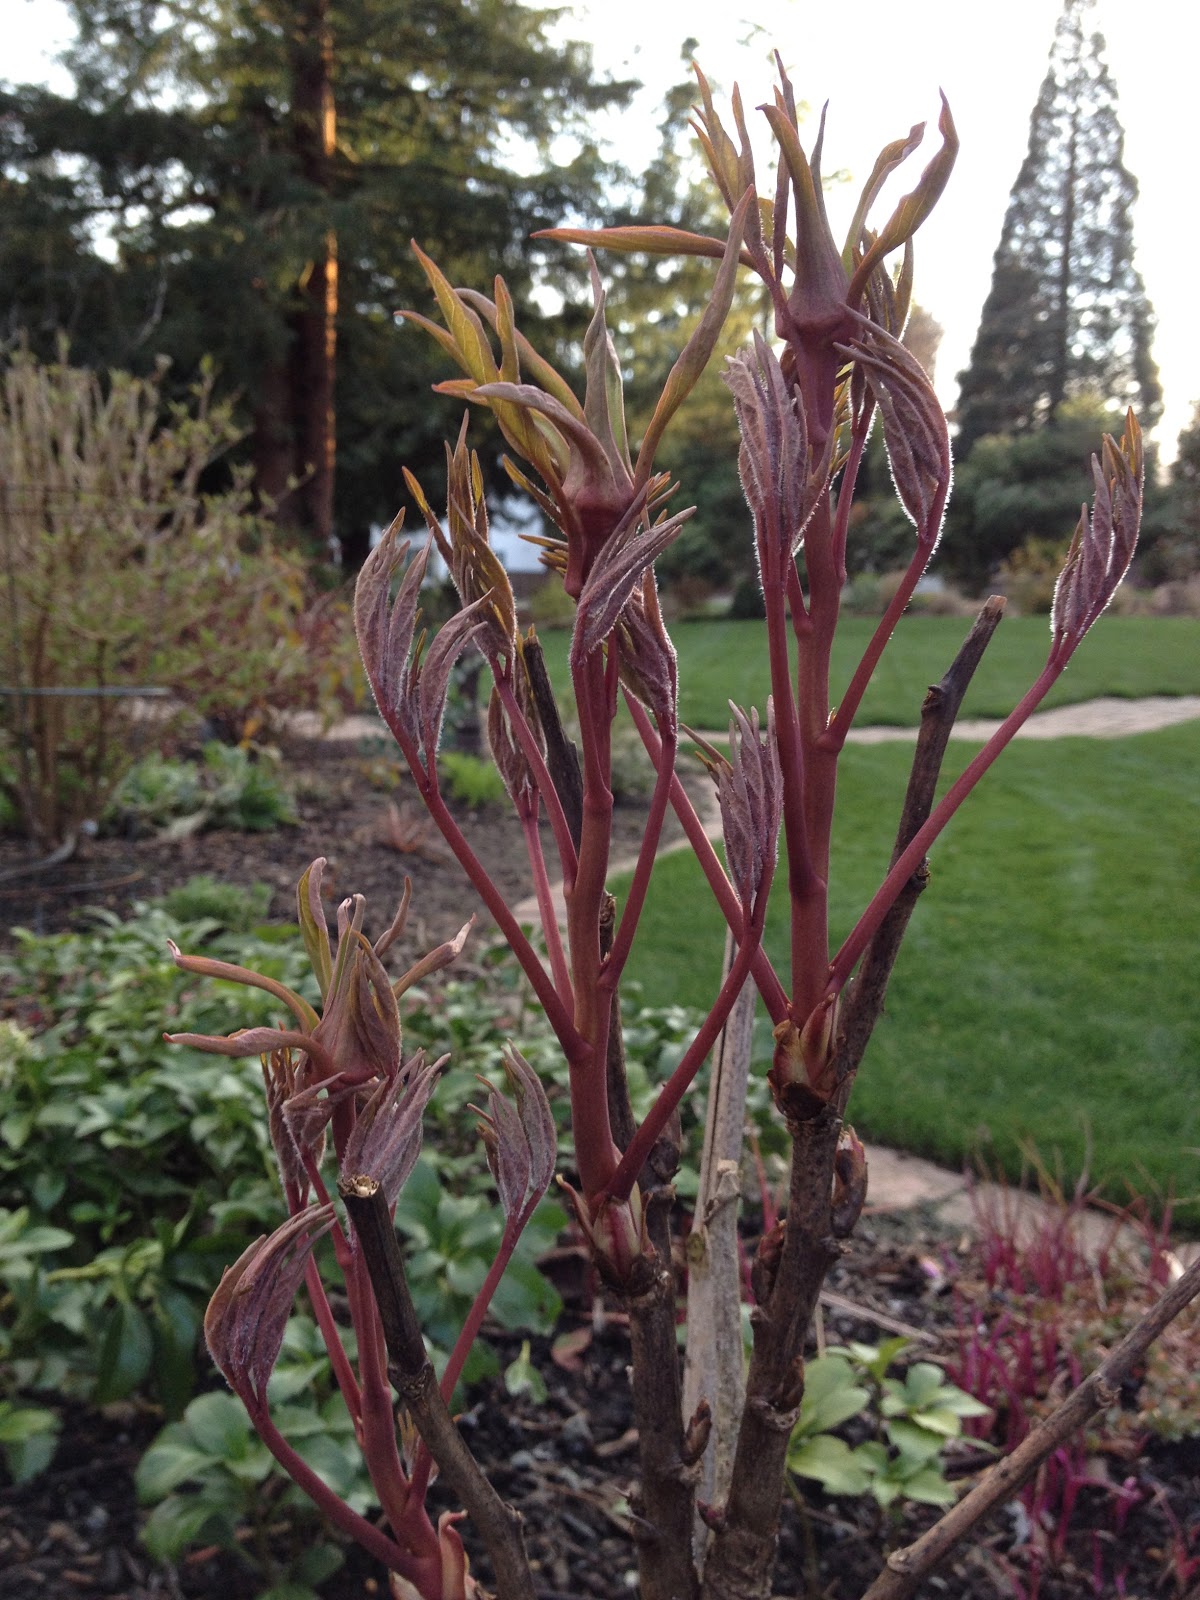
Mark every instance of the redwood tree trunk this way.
pixel 295 423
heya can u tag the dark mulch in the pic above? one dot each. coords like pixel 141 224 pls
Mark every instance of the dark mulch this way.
pixel 568 1464
pixel 356 808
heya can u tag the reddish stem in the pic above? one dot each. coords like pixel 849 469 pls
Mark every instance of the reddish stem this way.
pixel 417 1570
pixel 343 1372
pixel 647 851
pixel 539 978
pixel 765 977
pixel 623 1179
pixel 545 784
pixel 845 495
pixel 379 1447
pixel 546 909
pixel 595 1152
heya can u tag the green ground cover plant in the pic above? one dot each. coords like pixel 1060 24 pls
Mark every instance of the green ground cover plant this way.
pixel 1075 1042
pixel 1129 657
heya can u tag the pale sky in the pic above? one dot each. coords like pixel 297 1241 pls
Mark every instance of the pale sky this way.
pixel 880 64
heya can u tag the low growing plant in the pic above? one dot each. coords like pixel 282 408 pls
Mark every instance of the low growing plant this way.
pixel 910 1421
pixel 1041 1300
pixel 347 1103
pixel 230 787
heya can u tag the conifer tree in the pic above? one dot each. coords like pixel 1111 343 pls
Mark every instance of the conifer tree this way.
pixel 241 179
pixel 1067 314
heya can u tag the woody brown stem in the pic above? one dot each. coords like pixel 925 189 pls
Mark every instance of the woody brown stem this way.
pixel 741 1557
pixel 412 1373
pixel 666 1497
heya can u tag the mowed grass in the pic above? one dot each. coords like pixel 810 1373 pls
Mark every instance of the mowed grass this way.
pixel 1124 656
pixel 1048 990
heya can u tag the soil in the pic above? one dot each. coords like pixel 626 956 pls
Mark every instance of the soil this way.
pixel 567 1463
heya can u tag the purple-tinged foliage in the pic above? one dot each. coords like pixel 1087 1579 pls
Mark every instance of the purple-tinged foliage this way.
pixel 247 1315
pixel 1104 543
pixel 338 1076
pixel 386 1138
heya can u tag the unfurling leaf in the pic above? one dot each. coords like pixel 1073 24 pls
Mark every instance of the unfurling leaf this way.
pixel 385 631
pixel 781 481
pixel 914 425
pixel 247 1315
pixel 1103 545
pixel 519 1138
pixel 386 1138
pixel 646 658
pixel 750 791
pixel 617 572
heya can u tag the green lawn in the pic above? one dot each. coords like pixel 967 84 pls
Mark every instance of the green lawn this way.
pixel 1125 656
pixel 1048 987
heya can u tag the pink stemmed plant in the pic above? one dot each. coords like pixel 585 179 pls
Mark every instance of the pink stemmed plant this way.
pixel 806 404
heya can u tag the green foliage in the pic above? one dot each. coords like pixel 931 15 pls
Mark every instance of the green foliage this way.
pixel 1028 577
pixel 1067 312
pixel 470 780
pixel 910 1419
pixel 211 1480
pixel 1084 1043
pixel 104 1278
pixel 137 1174
pixel 1169 549
pixel 230 788
pixel 551 607
pixel 451 1241
pixel 28 1439
pixel 233 906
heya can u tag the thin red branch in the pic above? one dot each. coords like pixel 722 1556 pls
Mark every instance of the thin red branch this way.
pixel 546 908
pixel 621 1184
pixel 554 811
pixel 765 977
pixel 614 965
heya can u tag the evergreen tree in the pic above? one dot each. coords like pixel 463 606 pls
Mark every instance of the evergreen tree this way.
pixel 242 178
pixel 1067 313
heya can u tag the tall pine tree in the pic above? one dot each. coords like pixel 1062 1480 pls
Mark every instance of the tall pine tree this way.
pixel 1067 314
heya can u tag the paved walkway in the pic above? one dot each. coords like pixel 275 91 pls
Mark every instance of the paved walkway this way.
pixel 1106 718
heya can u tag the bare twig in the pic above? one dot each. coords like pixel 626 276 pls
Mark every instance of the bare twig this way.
pixel 907 1568
pixel 411 1371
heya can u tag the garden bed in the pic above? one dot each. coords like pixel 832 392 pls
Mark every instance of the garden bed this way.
pixel 567 1462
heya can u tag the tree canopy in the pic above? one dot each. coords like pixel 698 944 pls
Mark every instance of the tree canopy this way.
pixel 242 180
pixel 1067 313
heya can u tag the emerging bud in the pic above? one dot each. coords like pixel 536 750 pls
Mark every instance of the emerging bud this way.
pixel 750 792
pixel 849 1184
pixel 781 481
pixel 1103 545
pixel 914 425
pixel 386 1138
pixel 519 1138
pixel 247 1315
